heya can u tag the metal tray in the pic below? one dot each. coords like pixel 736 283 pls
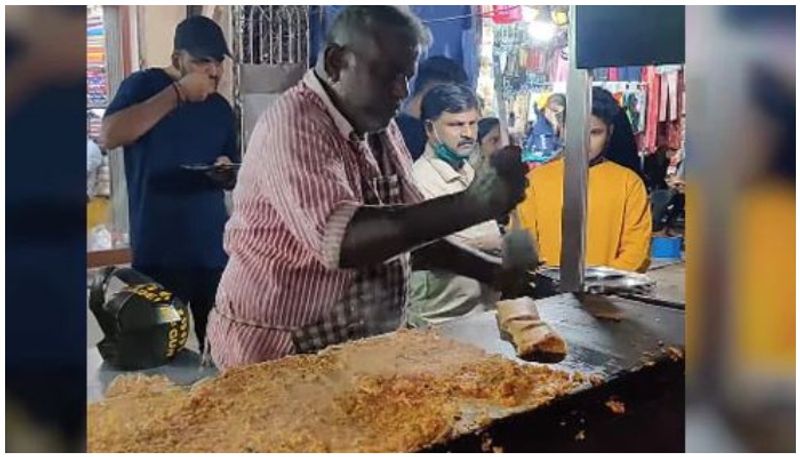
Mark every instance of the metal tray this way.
pixel 603 280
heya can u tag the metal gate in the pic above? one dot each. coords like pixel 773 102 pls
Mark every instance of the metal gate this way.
pixel 271 49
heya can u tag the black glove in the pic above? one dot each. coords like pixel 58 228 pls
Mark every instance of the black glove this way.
pixel 499 186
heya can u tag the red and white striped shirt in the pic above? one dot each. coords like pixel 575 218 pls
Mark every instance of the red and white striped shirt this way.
pixel 299 185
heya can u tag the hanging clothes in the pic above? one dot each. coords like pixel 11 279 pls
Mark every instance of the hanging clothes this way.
pixel 652 83
pixel 672 84
pixel 632 105
pixel 613 74
pixel 632 73
pixel 668 104
pixel 676 130
pixel 506 14
pixel 670 130
pixel 535 60
pixel 557 66
pixel 600 74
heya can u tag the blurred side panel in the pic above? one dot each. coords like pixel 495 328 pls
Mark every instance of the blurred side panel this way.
pixel 45 228
pixel 740 78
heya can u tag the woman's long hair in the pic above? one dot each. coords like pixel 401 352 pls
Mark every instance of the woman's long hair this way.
pixel 622 148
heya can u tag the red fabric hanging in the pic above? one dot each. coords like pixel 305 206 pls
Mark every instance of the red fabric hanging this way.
pixel 652 80
pixel 506 14
pixel 536 60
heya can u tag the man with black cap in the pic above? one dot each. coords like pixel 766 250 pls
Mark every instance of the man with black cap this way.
pixel 167 119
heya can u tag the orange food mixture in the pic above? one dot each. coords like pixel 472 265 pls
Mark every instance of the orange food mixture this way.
pixel 399 392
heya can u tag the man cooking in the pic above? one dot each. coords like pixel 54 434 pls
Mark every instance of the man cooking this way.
pixel 167 119
pixel 450 115
pixel 325 209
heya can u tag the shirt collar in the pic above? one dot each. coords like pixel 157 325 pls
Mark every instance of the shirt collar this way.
pixel 313 82
pixel 445 170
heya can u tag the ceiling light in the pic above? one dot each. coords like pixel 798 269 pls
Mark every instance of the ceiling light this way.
pixel 542 31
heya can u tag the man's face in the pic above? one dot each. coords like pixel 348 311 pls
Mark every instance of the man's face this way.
pixel 373 78
pixel 491 142
pixel 458 131
pixel 599 133
pixel 188 63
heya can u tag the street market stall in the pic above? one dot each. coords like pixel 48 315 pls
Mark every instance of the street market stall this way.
pixel 459 386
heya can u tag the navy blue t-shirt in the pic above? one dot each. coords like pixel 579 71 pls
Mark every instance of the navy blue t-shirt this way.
pixel 414 135
pixel 177 217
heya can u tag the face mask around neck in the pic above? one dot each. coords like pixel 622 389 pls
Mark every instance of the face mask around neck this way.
pixel 445 153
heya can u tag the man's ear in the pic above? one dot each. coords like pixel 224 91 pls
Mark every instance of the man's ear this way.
pixel 429 130
pixel 335 60
pixel 176 59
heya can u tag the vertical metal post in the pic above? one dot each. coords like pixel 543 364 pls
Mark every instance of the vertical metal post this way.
pixel 115 68
pixel 237 20
pixel 500 99
pixel 573 222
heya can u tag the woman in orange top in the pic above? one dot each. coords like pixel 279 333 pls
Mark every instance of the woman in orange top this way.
pixel 618 220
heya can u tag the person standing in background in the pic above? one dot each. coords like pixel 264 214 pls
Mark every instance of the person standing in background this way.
pixel 488 140
pixel 546 136
pixel 618 218
pixel 450 114
pixel 435 70
pixel 167 118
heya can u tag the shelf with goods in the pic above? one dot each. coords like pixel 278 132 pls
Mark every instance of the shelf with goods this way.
pixel 107 232
pixel 97 86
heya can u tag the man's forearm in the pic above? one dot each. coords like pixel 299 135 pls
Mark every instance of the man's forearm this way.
pixel 457 258
pixel 126 126
pixel 376 234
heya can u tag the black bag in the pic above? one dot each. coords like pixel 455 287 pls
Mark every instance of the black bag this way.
pixel 144 325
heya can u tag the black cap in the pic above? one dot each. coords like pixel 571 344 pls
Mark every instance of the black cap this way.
pixel 201 37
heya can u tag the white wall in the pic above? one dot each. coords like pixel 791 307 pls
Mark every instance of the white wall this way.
pixel 156 26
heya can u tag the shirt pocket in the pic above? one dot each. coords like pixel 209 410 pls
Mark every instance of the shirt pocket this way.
pixel 384 190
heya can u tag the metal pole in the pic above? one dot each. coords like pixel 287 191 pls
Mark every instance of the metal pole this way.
pixel 573 222
pixel 500 99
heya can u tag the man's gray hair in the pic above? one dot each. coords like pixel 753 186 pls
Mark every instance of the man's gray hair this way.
pixel 356 21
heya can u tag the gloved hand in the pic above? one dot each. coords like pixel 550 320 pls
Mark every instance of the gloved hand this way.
pixel 516 276
pixel 498 186
pixel 515 283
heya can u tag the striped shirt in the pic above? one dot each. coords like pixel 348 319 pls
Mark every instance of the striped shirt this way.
pixel 299 185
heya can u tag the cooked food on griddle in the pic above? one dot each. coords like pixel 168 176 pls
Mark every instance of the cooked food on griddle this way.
pixel 399 392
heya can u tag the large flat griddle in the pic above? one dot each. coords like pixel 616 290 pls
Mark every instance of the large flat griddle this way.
pixel 629 351
pixel 596 344
pixel 632 352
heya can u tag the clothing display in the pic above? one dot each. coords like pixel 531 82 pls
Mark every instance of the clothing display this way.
pixel 632 73
pixel 632 98
pixel 652 82
pixel 653 98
